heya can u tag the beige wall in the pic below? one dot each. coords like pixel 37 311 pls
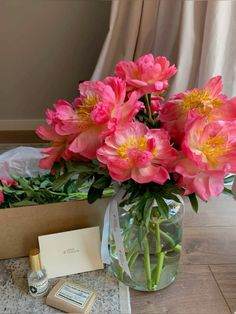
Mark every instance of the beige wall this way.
pixel 46 47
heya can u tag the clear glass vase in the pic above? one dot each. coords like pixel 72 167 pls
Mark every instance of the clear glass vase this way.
pixel 152 246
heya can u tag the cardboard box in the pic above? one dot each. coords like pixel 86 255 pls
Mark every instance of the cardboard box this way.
pixel 21 226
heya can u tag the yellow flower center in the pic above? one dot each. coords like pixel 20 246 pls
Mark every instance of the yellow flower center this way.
pixel 132 142
pixel 214 147
pixel 200 100
pixel 85 109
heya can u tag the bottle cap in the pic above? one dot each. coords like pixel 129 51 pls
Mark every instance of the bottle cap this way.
pixel 35 263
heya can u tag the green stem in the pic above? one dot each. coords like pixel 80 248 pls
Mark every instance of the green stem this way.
pixel 108 192
pixel 147 106
pixel 120 273
pixel 134 248
pixel 158 238
pixel 177 248
pixel 133 253
pixel 174 248
pixel 167 238
pixel 160 255
pixel 133 259
pixel 147 263
pixel 80 194
pixel 160 262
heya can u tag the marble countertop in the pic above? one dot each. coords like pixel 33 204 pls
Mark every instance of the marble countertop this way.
pixel 14 296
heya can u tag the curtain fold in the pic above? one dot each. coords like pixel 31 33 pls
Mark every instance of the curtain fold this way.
pixel 122 36
pixel 218 47
pixel 198 36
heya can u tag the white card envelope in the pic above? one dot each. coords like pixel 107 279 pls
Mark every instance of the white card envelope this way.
pixel 70 252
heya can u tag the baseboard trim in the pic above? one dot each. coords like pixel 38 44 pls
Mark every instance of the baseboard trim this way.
pixel 19 137
pixel 23 125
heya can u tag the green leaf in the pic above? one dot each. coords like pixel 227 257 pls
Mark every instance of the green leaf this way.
pixel 25 185
pixel 62 180
pixel 228 191
pixel 172 196
pixel 124 203
pixel 142 231
pixel 168 194
pixel 24 203
pixel 162 206
pixel 82 178
pixel 134 194
pixel 193 201
pixel 80 167
pixel 19 192
pixel 44 184
pixel 147 211
pixel 70 187
pixel 14 177
pixel 94 194
pixel 96 162
pixel 102 183
pixel 170 188
pixel 7 190
pixel 140 209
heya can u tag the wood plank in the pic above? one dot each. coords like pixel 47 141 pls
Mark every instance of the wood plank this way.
pixel 209 245
pixel 22 136
pixel 225 276
pixel 219 211
pixel 194 292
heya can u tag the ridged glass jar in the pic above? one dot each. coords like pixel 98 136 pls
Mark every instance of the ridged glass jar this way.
pixel 152 250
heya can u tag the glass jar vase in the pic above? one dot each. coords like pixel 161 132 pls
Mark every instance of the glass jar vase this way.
pixel 152 245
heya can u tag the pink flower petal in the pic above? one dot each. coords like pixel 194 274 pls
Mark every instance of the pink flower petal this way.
pixel 214 86
pixel 1 197
pixel 87 143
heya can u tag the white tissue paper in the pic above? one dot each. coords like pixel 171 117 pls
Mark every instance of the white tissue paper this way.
pixel 234 187
pixel 21 161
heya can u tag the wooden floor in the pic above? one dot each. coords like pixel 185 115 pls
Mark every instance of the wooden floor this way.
pixel 206 282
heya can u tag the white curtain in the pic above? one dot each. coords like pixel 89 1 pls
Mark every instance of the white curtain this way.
pixel 198 36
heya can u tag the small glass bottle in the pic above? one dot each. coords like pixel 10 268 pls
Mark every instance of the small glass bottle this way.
pixel 37 276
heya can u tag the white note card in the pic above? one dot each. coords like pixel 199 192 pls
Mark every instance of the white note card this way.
pixel 71 252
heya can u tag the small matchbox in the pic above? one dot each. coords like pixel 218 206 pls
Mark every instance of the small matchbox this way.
pixel 71 297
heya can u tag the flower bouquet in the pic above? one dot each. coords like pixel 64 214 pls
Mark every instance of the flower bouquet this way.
pixel 122 132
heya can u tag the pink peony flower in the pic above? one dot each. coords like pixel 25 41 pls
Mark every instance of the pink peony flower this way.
pixel 175 113
pixel 155 104
pixel 101 107
pixel 134 151
pixel 63 119
pixel 226 112
pixel 211 145
pixel 8 182
pixel 93 115
pixel 59 148
pixel 1 197
pixel 210 154
pixel 146 75
pixel 205 183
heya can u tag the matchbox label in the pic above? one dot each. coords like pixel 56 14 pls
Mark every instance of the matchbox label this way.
pixel 73 294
